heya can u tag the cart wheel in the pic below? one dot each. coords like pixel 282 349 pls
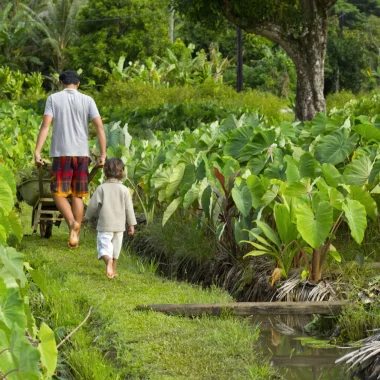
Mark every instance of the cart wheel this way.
pixel 46 229
pixel 49 229
pixel 42 228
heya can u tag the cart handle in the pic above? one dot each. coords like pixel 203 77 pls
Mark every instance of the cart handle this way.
pixel 40 183
pixel 92 173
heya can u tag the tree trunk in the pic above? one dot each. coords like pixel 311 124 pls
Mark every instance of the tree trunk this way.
pixel 306 46
pixel 309 64
pixel 308 53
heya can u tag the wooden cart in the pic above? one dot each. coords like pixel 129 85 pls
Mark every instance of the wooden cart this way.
pixel 36 193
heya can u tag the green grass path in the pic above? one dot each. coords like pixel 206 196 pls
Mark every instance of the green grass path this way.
pixel 120 343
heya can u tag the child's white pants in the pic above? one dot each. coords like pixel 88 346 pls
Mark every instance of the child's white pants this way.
pixel 109 244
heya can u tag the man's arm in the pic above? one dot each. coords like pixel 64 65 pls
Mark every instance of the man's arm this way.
pixel 42 135
pixel 101 139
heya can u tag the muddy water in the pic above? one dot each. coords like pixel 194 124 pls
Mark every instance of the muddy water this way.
pixel 292 358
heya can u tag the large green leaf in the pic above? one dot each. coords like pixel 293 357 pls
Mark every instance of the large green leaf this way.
pixel 160 178
pixel 237 141
pixel 368 131
pixel 309 166
pixel 47 348
pixel 286 227
pixel 292 170
pixel 257 163
pixel 314 228
pixel 144 167
pixel 175 179
pixel 15 226
pixel 364 197
pixel 242 199
pixel 206 201
pixel 260 143
pixel 27 355
pixel 335 147
pixel 188 179
pixel 319 124
pixel 257 189
pixel 331 175
pixel 12 263
pixel 269 233
pixel 269 196
pixel 6 197
pixel 11 306
pixel 171 209
pixel 297 189
pixel 357 171
pixel 8 177
pixel 355 214
pixel 18 353
pixel 191 196
pixel 374 172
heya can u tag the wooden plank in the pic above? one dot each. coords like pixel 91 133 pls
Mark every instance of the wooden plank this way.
pixel 248 308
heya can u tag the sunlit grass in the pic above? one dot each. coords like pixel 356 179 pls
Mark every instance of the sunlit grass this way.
pixel 118 342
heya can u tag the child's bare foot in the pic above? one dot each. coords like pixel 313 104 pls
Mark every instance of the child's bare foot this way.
pixel 74 234
pixel 109 269
pixel 114 263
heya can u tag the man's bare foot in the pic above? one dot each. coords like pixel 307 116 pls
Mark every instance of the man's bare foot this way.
pixel 74 234
pixel 115 275
pixel 109 270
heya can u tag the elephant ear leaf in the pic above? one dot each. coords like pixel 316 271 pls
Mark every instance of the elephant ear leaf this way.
pixel 358 171
pixel 314 227
pixel 364 197
pixel 355 214
pixel 331 175
pixel 171 209
pixel 242 199
pixel 335 147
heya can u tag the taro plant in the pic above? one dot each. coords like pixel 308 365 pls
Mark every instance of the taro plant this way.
pixel 301 180
pixel 11 83
pixel 26 352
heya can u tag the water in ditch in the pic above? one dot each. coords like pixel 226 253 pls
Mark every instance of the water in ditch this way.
pixel 283 339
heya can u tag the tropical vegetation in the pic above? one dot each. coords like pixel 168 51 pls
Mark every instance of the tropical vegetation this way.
pixel 257 192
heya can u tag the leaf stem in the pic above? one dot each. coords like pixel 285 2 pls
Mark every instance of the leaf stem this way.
pixel 75 330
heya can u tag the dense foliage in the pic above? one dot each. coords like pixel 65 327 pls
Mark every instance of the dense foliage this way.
pixel 292 184
pixel 50 36
pixel 26 352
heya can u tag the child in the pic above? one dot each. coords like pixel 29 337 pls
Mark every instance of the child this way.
pixel 113 202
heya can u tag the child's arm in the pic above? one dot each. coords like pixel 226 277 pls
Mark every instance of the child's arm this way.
pixel 131 230
pixel 129 212
pixel 93 205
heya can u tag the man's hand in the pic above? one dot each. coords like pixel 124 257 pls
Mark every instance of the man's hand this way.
pixel 38 160
pixel 131 230
pixel 101 161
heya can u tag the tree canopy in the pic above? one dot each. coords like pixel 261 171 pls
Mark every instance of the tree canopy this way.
pixel 299 26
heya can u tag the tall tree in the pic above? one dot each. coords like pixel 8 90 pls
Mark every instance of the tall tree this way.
pixel 17 40
pixel 299 26
pixel 109 29
pixel 56 20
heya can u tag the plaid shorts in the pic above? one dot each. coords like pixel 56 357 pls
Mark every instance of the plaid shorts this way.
pixel 69 176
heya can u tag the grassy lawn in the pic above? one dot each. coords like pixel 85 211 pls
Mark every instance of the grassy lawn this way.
pixel 120 343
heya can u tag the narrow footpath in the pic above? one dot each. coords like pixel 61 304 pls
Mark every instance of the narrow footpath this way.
pixel 118 342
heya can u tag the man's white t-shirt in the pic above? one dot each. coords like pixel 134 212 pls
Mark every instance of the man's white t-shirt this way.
pixel 71 112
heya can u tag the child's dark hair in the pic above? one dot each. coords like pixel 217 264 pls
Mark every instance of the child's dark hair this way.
pixel 69 77
pixel 114 168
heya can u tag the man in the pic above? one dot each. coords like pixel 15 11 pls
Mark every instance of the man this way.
pixel 71 112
